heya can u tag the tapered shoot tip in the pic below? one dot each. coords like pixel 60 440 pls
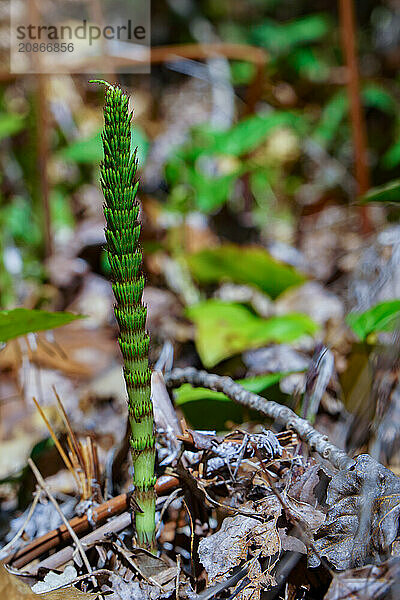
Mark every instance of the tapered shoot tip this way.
pixel 102 82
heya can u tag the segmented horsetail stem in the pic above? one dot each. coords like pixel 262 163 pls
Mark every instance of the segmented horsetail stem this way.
pixel 121 211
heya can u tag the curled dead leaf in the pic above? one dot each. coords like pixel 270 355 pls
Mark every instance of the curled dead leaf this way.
pixel 363 517
pixel 372 582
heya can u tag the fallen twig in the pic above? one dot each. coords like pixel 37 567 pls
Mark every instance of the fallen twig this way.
pixel 61 557
pixel 54 502
pixel 121 549
pixel 23 526
pixel 85 576
pixel 80 525
pixel 62 535
pixel 282 414
pixel 167 503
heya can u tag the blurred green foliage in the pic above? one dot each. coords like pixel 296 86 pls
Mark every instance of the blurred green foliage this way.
pixel 384 316
pixel 10 124
pixel 202 173
pixel 224 329
pixel 90 150
pixel 390 193
pixel 282 38
pixel 251 265
pixel 337 108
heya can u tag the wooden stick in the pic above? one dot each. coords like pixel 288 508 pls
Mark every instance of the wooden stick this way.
pixel 43 156
pixel 61 535
pixel 348 35
pixel 160 54
pixel 114 525
pixel 283 414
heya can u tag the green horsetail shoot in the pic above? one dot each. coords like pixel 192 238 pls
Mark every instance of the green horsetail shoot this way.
pixel 121 210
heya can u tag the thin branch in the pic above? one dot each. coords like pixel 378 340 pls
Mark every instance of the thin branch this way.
pixel 56 560
pixel 348 36
pixel 85 576
pixel 253 54
pixel 54 502
pixel 21 530
pixel 282 414
pixel 235 511
pixel 123 551
pixel 42 136
pixel 173 495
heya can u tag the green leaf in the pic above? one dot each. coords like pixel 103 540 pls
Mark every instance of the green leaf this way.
pixel 90 150
pixel 10 124
pixel 20 321
pixel 332 115
pixel 243 137
pixel 375 96
pixel 390 192
pixel 210 192
pixel 309 64
pixel 259 383
pixel 338 106
pixel 224 329
pixel 279 38
pixel 244 264
pixel 249 133
pixel 384 316
pixel 186 394
pixel 391 158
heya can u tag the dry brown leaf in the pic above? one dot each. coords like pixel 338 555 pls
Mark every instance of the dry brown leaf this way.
pixel 241 535
pixel 258 581
pixel 229 547
pixel 363 517
pixel 13 588
pixel 373 582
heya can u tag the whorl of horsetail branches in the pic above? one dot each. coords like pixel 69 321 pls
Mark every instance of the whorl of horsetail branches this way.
pixel 121 210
